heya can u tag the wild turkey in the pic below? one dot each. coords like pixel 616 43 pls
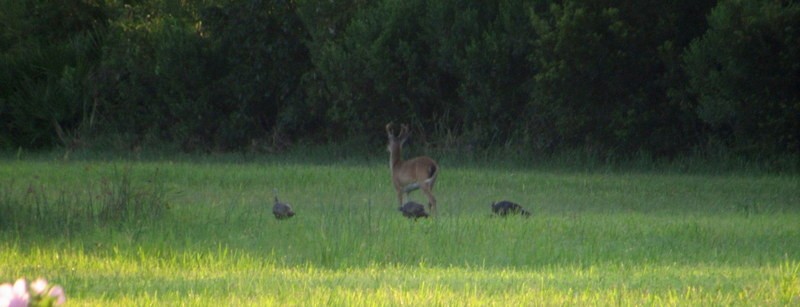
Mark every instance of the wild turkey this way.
pixel 505 207
pixel 413 210
pixel 282 210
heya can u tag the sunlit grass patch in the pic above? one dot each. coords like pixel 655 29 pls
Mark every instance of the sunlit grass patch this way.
pixel 224 276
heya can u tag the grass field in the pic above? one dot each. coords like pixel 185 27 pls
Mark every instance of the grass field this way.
pixel 200 232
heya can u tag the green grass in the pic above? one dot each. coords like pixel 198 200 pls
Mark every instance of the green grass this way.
pixel 611 237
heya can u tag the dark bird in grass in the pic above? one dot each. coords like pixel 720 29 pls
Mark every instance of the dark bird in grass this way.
pixel 282 210
pixel 413 210
pixel 503 208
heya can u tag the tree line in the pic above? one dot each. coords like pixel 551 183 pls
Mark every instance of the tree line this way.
pixel 660 77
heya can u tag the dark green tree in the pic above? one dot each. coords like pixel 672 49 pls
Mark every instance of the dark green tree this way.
pixel 606 70
pixel 261 46
pixel 47 53
pixel 745 73
pixel 154 78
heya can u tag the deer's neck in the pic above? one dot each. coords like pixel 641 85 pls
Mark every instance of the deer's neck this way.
pixel 395 158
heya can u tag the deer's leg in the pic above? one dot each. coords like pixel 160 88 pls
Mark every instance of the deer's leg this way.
pixel 401 196
pixel 426 188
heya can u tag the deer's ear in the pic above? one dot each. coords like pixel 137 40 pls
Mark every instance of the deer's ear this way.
pixel 403 132
pixel 389 131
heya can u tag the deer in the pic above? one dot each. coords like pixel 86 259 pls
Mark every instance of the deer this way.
pixel 410 175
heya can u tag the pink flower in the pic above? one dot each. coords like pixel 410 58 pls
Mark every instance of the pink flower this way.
pixel 16 296
pixel 58 293
pixel 39 286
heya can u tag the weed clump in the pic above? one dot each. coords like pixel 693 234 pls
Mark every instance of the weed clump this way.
pixel 39 208
pixel 123 199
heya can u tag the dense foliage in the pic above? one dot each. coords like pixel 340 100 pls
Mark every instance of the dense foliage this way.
pixel 655 77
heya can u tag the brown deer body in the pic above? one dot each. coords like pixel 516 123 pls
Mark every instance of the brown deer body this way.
pixel 409 175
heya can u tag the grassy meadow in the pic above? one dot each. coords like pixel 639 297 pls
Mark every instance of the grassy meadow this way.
pixel 185 231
